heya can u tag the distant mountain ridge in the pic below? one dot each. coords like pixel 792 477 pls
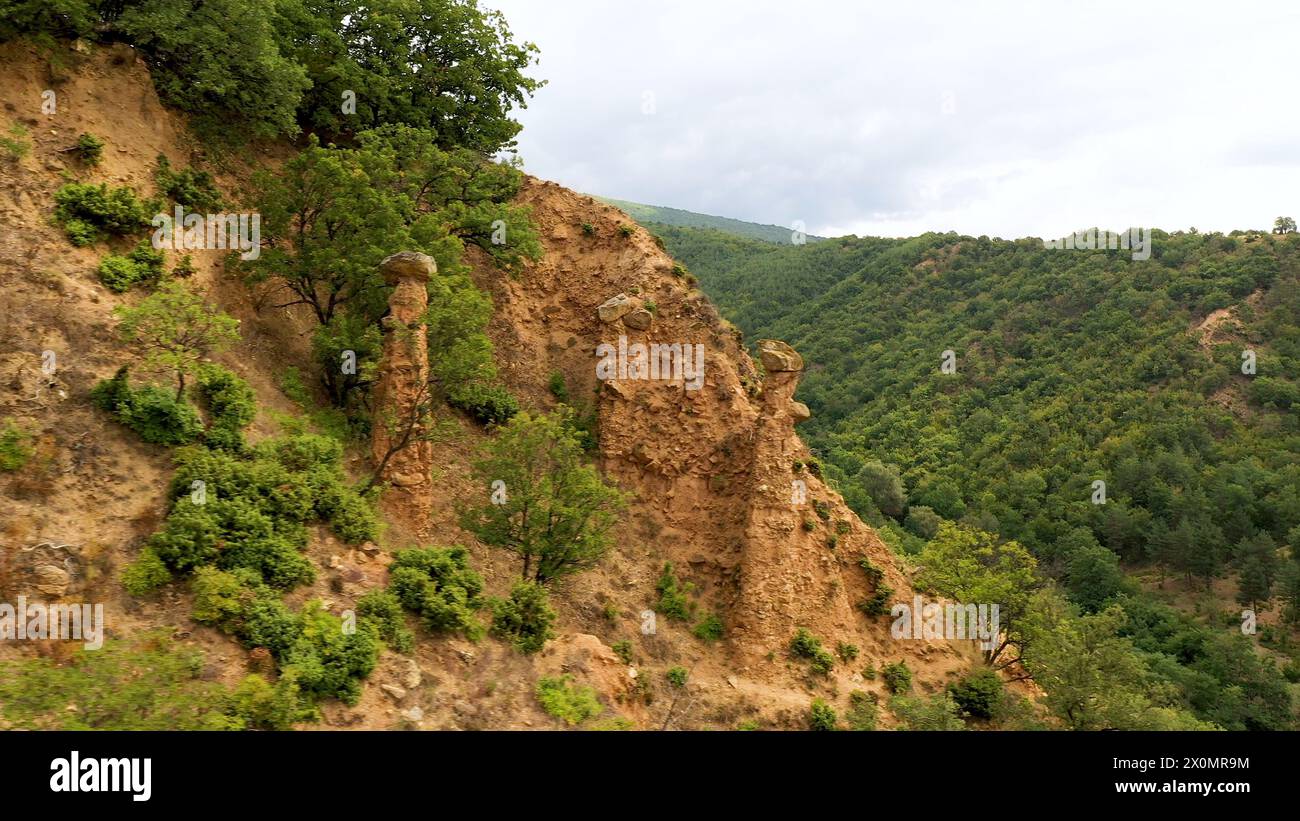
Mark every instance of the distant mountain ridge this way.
pixel 677 217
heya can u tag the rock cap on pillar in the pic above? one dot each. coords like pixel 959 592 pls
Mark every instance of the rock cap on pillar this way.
pixel 407 266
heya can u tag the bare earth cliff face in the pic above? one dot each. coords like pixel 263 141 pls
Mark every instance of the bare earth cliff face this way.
pixel 715 473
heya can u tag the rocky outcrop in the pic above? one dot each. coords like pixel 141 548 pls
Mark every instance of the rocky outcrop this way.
pixel 403 457
pixel 778 357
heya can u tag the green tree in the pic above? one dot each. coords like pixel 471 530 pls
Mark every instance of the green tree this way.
pixel 176 329
pixel 557 512
pixel 446 65
pixel 973 567
pixel 1258 567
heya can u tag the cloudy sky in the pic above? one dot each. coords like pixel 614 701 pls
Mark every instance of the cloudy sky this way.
pixel 1002 118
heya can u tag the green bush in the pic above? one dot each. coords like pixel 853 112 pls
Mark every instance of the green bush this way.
pixel 439 585
pixel 487 404
pixel 979 694
pixel 570 703
pixel 232 406
pixel 152 412
pixel 709 628
pixel 90 213
pixel 310 646
pixel 15 447
pixel 939 712
pixel 525 618
pixel 674 601
pixel 146 574
pixel 863 710
pixel 808 647
pixel 384 611
pixel 623 649
pixel 89 149
pixel 149 683
pixel 15 145
pixel 142 266
pixel 190 188
pixel 557 386
pixel 676 676
pixel 257 705
pixel 847 652
pixel 898 678
pixel 821 716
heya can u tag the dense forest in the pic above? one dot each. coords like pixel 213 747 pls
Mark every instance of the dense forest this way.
pixel 689 219
pixel 1135 425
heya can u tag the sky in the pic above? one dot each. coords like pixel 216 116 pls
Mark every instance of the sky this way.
pixel 1008 119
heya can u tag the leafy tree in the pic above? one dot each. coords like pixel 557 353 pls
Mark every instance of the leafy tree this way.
pixel 973 567
pixel 1284 225
pixel 203 64
pixel 176 329
pixel 446 65
pixel 557 512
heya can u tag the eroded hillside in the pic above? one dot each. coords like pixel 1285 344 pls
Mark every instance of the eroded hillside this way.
pixel 710 472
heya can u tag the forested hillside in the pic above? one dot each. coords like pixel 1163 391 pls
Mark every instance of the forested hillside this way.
pixel 1067 369
pixel 654 216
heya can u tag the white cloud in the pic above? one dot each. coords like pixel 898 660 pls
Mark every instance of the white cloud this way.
pixel 1007 118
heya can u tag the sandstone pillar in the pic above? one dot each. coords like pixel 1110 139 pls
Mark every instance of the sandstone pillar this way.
pixel 401 403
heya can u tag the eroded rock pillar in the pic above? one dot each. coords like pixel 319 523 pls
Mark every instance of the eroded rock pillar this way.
pixel 403 456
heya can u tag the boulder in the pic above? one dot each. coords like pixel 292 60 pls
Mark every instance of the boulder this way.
pixel 777 356
pixel 615 308
pixel 639 320
pixel 800 412
pixel 51 580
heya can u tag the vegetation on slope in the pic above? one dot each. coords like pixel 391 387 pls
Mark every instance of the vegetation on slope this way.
pixel 1069 368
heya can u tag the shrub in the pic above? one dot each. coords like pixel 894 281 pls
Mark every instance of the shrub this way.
pixel 709 628
pixel 806 646
pixel 939 712
pixel 588 229
pixel 572 704
pixel 142 266
pixel 15 447
pixel 184 268
pixel 383 610
pixel 91 213
pixel 190 188
pixel 438 584
pixel 232 406
pixel 487 404
pixel 89 149
pixel 15 145
pixel 146 574
pixel 310 647
pixel 822 510
pixel 152 412
pixel 623 649
pixel 979 693
pixel 847 652
pixel 673 597
pixel 149 683
pixel 821 716
pixel 863 710
pixel 257 705
pixel 557 386
pixel 525 618
pixel 898 678
pixel 676 676
pixel 625 230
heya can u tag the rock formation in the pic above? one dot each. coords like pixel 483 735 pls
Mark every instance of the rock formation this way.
pixel 403 456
